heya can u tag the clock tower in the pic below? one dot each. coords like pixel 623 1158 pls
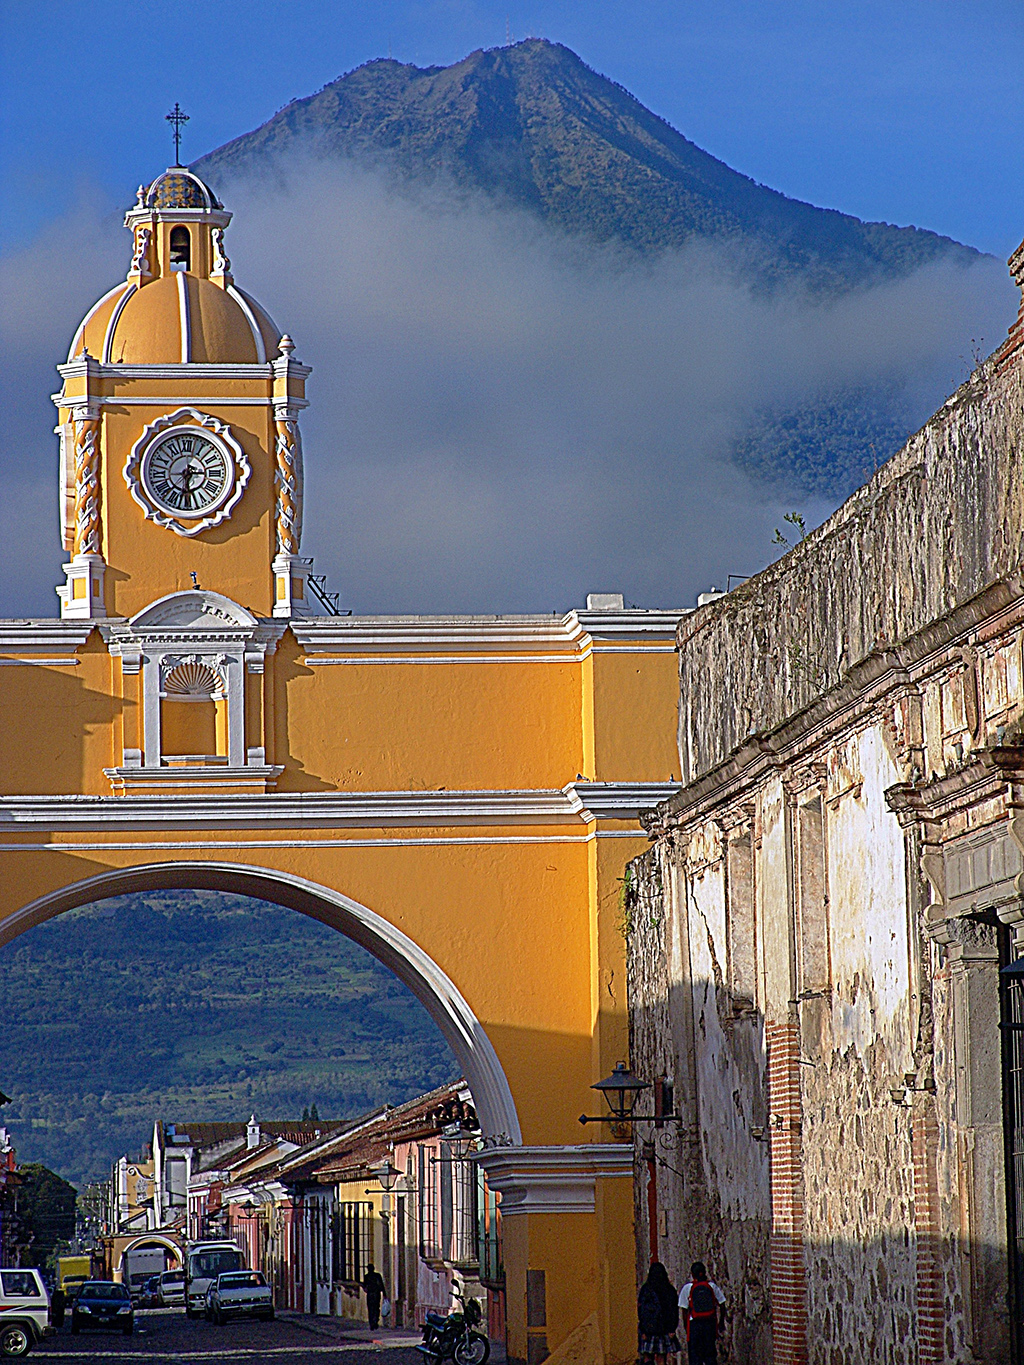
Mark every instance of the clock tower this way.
pixel 180 455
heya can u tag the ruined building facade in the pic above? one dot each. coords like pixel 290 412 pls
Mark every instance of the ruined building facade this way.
pixel 816 934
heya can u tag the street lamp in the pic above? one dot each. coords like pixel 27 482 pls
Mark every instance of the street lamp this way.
pixel 458 1140
pixel 387 1175
pixel 622 1090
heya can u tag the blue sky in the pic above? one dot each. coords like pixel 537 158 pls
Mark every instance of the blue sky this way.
pixel 908 112
pixel 516 382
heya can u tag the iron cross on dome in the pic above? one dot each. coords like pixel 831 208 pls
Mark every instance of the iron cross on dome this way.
pixel 177 117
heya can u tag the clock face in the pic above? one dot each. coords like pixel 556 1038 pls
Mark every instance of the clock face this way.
pixel 186 473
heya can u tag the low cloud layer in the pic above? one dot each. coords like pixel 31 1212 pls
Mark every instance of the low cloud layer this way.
pixel 501 419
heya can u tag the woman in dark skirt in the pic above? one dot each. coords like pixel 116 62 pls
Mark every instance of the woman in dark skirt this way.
pixel 657 1311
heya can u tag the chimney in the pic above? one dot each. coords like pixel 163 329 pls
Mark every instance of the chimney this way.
pixel 252 1133
pixel 604 601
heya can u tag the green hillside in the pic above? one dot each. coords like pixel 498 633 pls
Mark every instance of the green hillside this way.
pixel 188 1005
pixel 533 126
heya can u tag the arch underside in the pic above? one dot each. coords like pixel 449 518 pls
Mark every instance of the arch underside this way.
pixel 439 996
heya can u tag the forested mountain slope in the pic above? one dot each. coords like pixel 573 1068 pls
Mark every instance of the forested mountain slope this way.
pixel 193 1005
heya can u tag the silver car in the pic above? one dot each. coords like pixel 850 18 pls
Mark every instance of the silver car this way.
pixel 239 1294
pixel 170 1291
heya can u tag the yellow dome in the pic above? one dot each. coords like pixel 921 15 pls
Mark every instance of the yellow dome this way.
pixel 135 325
pixel 179 304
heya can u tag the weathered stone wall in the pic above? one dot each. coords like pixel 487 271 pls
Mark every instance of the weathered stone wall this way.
pixel 859 1204
pixel 937 523
pixel 712 1175
pixel 813 949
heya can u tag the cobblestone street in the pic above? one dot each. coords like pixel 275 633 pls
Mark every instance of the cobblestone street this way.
pixel 167 1335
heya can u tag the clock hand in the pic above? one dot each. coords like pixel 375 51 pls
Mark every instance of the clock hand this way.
pixel 185 479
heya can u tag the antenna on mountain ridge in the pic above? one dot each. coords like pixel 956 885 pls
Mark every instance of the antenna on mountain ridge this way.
pixel 508 31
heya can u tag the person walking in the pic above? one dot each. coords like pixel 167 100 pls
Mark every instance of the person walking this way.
pixel 702 1304
pixel 657 1312
pixel 373 1288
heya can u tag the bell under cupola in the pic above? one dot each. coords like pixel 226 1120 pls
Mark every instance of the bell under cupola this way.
pixel 178 224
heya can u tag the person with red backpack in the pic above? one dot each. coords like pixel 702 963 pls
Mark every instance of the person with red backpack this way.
pixel 702 1305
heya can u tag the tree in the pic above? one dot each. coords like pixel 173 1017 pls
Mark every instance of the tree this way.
pixel 46 1211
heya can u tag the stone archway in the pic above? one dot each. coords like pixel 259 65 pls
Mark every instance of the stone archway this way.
pixel 444 1003
pixel 151 1239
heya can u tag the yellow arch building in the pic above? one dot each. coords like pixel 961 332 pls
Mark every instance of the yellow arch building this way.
pixel 458 794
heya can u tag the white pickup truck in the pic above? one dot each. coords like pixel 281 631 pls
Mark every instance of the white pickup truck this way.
pixel 24 1312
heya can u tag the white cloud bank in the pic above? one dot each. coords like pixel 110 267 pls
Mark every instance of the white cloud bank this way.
pixel 501 419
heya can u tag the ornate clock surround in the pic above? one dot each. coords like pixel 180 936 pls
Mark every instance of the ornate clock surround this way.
pixel 214 430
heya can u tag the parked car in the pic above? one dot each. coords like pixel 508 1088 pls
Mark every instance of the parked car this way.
pixel 102 1303
pixel 239 1294
pixel 171 1290
pixel 204 1261
pixel 24 1312
pixel 150 1288
pixel 72 1289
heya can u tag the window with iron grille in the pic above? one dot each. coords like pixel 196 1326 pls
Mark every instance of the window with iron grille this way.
pixel 462 1241
pixel 318 1227
pixel 352 1241
pixel 447 1208
pixel 488 1237
pixel 430 1243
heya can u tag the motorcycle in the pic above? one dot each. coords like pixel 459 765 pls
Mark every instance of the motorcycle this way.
pixel 452 1336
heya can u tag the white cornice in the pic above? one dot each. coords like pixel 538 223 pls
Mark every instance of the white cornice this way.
pixel 619 800
pixel 185 781
pixel 80 367
pixel 32 636
pixel 432 632
pixel 572 632
pixel 141 213
pixel 325 810
pixel 48 662
pixel 582 651
pixel 210 400
pixel 609 624
pixel 285 810
pixel 553 1179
